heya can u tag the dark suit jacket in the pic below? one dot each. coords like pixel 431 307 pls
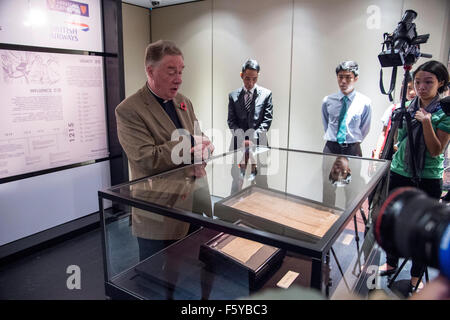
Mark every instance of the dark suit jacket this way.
pixel 259 118
pixel 145 131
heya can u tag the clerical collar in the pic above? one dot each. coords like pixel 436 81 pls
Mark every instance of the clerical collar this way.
pixel 160 100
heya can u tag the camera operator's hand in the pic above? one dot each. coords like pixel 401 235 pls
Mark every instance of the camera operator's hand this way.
pixel 422 115
pixel 437 289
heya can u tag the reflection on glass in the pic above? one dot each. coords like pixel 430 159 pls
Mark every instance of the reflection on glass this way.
pixel 246 169
pixel 344 173
pixel 275 192
pixel 350 254
pixel 186 189
pixel 340 173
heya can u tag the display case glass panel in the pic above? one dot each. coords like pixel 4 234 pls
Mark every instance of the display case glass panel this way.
pixel 304 205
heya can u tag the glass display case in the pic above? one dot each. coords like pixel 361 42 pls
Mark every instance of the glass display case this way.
pixel 242 222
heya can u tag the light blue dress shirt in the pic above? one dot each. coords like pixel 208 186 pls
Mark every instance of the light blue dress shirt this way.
pixel 358 116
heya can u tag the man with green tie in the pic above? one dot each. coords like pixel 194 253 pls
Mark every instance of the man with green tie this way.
pixel 346 114
pixel 346 122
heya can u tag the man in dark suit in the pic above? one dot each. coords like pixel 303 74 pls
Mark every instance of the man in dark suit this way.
pixel 250 113
pixel 250 109
pixel 152 124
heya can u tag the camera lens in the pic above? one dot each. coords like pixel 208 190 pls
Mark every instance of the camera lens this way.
pixel 412 225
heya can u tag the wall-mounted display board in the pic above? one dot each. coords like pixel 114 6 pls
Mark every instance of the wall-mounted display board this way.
pixel 65 24
pixel 53 111
pixel 60 81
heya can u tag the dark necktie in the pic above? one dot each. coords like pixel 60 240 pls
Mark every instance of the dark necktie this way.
pixel 342 127
pixel 247 100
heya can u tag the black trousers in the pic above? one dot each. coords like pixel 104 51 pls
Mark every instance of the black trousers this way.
pixel 433 188
pixel 349 149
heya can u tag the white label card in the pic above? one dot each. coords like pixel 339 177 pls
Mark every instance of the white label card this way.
pixel 287 280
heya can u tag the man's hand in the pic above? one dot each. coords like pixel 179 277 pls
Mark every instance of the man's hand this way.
pixel 196 171
pixel 205 141
pixel 203 148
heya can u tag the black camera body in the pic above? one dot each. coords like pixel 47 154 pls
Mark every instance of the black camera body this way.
pixel 402 46
pixel 412 225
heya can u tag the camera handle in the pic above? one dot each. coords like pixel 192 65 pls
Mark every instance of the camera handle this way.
pixel 392 85
pixel 388 38
pixel 396 121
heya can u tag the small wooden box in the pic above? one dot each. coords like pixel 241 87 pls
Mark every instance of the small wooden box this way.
pixel 245 261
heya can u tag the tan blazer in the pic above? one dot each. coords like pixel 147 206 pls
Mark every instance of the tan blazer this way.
pixel 144 131
pixel 179 190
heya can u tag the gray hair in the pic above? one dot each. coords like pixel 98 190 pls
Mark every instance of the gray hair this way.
pixel 156 51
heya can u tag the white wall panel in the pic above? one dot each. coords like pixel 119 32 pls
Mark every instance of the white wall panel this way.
pixel 39 203
pixel 218 35
pixel 432 17
pixel 259 29
pixel 298 44
pixel 326 33
pixel 189 26
pixel 136 37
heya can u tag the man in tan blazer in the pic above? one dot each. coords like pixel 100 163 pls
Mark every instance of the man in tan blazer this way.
pixel 146 123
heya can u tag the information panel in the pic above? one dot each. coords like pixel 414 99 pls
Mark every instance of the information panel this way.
pixel 52 111
pixel 62 24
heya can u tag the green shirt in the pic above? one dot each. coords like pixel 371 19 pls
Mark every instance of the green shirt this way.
pixel 434 166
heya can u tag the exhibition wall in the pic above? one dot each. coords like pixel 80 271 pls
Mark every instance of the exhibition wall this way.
pixel 136 37
pixel 298 44
pixel 59 105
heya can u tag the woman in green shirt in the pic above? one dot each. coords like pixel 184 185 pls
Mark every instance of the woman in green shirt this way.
pixel 430 129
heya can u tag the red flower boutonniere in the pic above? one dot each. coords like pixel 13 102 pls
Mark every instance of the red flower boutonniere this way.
pixel 183 106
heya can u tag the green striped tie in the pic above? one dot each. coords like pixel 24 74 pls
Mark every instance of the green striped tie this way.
pixel 342 127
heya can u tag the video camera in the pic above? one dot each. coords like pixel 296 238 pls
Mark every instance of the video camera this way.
pixel 402 46
pixel 412 225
